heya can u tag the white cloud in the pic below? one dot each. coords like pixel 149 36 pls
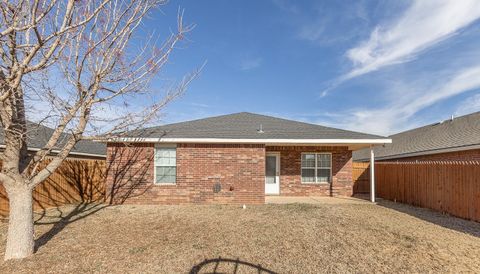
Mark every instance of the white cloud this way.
pixel 469 105
pixel 250 63
pixel 199 105
pixel 424 24
pixel 286 6
pixel 333 23
pixel 314 31
pixel 323 93
pixel 103 117
pixel 399 109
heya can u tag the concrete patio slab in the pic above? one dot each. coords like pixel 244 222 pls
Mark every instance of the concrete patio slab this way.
pixel 313 200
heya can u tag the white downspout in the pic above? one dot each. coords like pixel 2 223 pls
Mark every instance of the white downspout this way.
pixel 372 175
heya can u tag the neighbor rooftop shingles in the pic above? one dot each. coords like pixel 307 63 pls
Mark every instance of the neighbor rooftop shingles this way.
pixel 463 131
pixel 38 135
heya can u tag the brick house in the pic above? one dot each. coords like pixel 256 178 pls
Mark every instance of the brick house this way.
pixel 232 159
pixel 456 139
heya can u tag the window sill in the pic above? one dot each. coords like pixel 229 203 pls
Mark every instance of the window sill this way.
pixel 314 183
pixel 164 184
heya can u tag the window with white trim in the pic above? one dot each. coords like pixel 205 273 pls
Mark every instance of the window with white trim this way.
pixel 316 167
pixel 165 165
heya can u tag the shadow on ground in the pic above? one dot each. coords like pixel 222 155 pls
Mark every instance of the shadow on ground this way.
pixel 218 265
pixel 87 196
pixel 438 218
pixel 60 219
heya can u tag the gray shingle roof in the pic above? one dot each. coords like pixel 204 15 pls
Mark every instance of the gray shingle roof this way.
pixel 38 135
pixel 246 125
pixel 460 133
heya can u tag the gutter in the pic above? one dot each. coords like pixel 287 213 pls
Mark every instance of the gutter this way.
pixel 249 141
pixel 71 152
pixel 425 152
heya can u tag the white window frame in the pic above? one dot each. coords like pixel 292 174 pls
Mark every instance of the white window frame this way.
pixel 316 167
pixel 160 146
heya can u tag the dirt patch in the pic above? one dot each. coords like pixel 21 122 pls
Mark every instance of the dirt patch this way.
pixel 280 238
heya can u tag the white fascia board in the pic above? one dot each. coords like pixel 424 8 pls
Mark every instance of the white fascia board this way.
pixel 75 153
pixel 251 141
pixel 71 152
pixel 428 152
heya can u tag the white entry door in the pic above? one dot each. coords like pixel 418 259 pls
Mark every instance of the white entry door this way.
pixel 272 174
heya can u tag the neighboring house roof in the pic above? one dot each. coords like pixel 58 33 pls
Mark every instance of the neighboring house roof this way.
pixel 38 135
pixel 247 126
pixel 461 133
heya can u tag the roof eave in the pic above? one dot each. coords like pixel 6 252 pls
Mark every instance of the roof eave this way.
pixel 423 153
pixel 74 153
pixel 254 141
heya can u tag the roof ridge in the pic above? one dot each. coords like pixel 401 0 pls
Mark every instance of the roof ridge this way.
pixel 312 124
pixel 194 120
pixel 261 115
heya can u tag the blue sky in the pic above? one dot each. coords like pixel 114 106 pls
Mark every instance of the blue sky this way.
pixel 372 66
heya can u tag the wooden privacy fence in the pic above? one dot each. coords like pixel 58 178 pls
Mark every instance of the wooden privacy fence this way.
pixel 450 187
pixel 75 181
pixel 361 178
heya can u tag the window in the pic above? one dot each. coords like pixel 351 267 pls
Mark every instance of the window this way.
pixel 165 165
pixel 316 167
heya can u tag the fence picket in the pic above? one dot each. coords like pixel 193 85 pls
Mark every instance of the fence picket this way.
pixel 450 187
pixel 76 180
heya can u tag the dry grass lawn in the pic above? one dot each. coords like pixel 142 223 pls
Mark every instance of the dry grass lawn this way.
pixel 287 238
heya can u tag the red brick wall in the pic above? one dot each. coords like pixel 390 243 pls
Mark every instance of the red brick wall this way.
pixel 239 169
pixel 290 172
pixel 465 155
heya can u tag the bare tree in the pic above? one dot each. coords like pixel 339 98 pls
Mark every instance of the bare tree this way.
pixel 88 47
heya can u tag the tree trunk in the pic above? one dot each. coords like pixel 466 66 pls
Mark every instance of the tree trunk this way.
pixel 20 239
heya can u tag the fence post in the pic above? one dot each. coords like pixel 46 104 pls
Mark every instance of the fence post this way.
pixel 372 175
